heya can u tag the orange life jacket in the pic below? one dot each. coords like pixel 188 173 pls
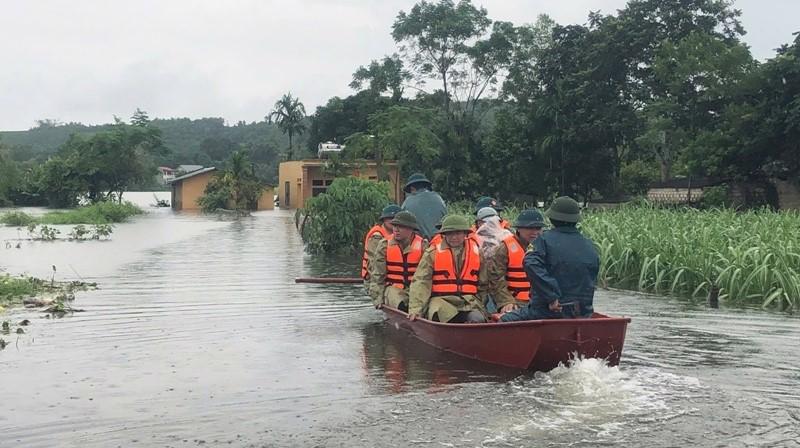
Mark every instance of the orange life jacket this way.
pixel 436 240
pixel 516 278
pixel 401 267
pixel 445 281
pixel 377 228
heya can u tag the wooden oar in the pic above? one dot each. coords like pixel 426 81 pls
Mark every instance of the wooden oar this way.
pixel 342 280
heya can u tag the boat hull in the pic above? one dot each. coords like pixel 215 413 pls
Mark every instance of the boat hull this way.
pixel 538 345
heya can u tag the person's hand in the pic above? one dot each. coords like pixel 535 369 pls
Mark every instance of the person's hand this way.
pixel 555 306
pixel 509 307
pixel 378 306
pixel 412 316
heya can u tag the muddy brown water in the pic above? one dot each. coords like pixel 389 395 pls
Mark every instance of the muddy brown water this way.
pixel 199 337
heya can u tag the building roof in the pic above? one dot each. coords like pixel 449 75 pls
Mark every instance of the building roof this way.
pixel 192 174
pixel 189 168
pixel 323 162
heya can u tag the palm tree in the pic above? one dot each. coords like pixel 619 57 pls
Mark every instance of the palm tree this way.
pixel 241 179
pixel 289 113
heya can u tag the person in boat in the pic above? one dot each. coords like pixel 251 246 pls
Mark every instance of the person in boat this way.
pixel 395 263
pixel 426 204
pixel 562 267
pixel 486 201
pixel 508 282
pixel 381 230
pixel 480 218
pixel 450 282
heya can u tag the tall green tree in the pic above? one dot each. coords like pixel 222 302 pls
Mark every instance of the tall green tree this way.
pixel 387 75
pixel 236 187
pixel 290 114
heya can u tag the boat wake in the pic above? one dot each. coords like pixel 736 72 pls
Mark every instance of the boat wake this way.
pixel 603 403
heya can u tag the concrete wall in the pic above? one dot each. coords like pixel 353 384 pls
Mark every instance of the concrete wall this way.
pixel 674 195
pixel 290 181
pixel 187 192
pixel 267 199
pixel 788 195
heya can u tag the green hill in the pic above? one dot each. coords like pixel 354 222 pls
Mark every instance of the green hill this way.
pixel 204 141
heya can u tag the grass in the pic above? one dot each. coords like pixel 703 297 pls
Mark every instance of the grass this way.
pixel 14 289
pixel 751 258
pixel 17 219
pixel 99 213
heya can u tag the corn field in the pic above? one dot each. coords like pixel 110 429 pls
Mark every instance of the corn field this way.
pixel 749 258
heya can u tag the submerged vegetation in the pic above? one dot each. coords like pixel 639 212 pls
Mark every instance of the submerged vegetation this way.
pixel 34 291
pixel 105 212
pixel 101 213
pixel 747 258
pixel 336 220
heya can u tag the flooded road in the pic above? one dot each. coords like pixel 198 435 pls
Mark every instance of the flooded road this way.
pixel 198 336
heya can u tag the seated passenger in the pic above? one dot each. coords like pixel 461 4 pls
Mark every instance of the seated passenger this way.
pixel 486 201
pixel 395 262
pixel 508 282
pixel 562 268
pixel 449 285
pixel 381 230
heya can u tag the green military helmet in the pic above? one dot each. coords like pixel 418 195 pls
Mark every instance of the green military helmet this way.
pixel 416 178
pixel 405 219
pixel 486 201
pixel 454 223
pixel 564 209
pixel 389 211
pixel 529 219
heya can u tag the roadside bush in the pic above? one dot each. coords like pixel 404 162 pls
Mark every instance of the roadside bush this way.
pixel 16 219
pixel 715 197
pixel 99 213
pixel 338 219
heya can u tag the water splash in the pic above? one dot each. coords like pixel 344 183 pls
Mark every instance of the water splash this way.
pixel 589 397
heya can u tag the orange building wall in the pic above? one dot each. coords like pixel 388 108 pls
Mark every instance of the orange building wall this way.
pixel 267 199
pixel 192 189
pixel 298 177
pixel 290 176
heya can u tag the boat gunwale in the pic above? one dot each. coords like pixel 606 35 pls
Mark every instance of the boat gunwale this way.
pixel 601 319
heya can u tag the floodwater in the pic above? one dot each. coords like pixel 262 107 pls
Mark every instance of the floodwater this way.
pixel 199 337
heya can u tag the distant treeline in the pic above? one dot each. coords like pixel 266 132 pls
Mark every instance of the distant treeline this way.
pixel 59 165
pixel 204 141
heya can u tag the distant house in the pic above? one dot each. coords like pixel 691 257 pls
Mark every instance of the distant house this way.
pixel 680 190
pixel 189 188
pixel 299 180
pixel 167 174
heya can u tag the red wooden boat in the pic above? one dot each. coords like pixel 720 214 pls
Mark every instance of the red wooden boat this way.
pixel 531 345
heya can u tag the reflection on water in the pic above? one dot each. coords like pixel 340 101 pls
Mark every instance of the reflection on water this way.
pixel 199 336
pixel 397 362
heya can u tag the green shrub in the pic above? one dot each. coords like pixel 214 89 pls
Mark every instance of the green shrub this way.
pixel 14 288
pixel 338 219
pixel 99 213
pixel 715 197
pixel 17 219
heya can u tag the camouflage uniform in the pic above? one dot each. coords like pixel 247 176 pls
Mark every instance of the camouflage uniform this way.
pixel 447 307
pixel 378 290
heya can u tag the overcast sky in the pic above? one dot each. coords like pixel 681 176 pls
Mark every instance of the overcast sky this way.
pixel 87 60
